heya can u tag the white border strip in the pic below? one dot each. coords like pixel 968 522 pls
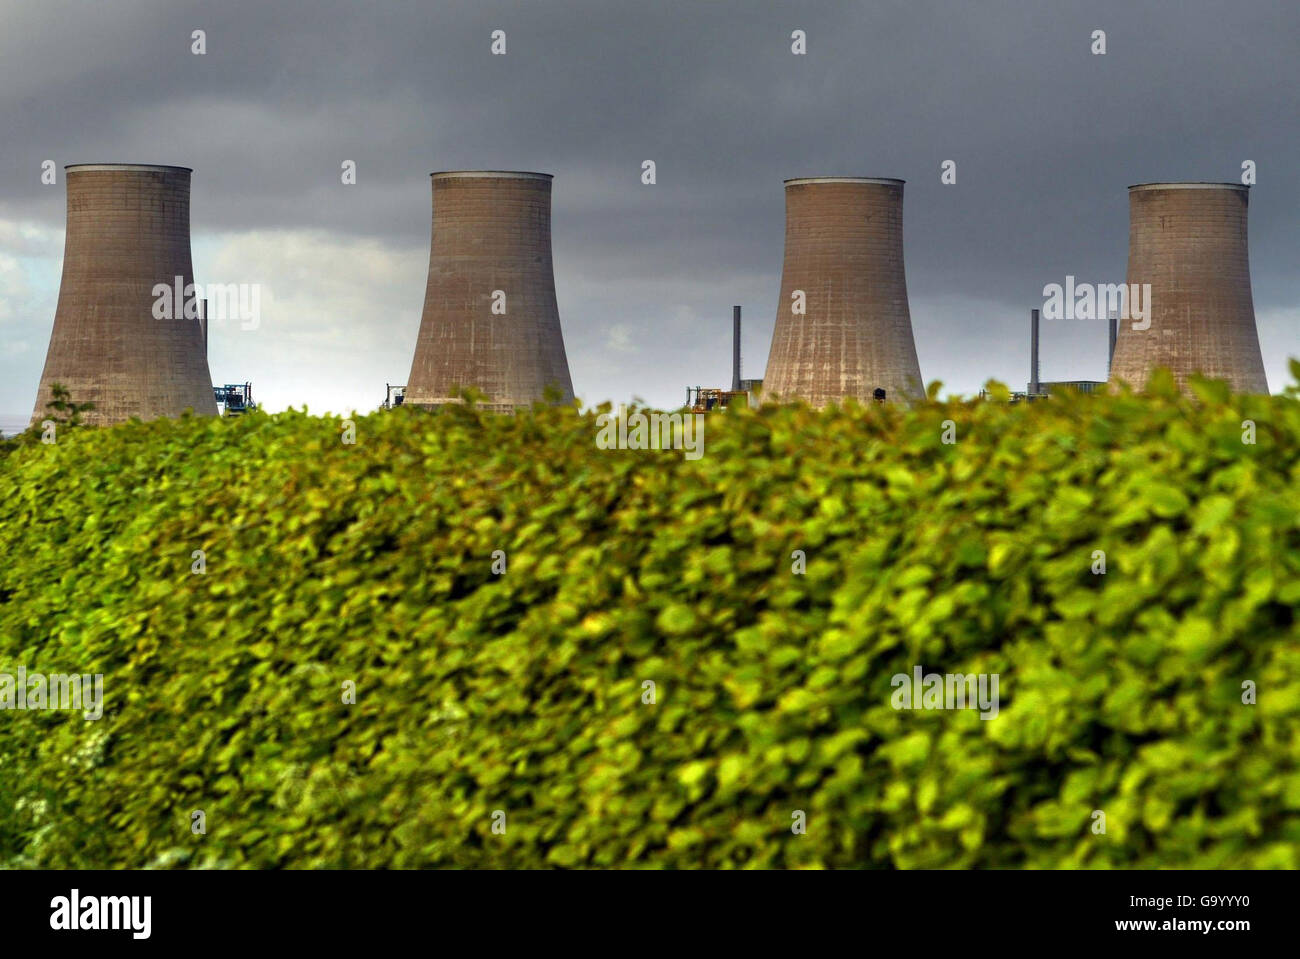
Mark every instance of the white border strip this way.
pixel 492 174
pixel 1196 185
pixel 889 181
pixel 143 167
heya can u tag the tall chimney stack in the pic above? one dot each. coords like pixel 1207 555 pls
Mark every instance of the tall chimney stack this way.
pixel 128 231
pixel 1188 241
pixel 1112 326
pixel 490 319
pixel 1033 352
pixel 844 268
pixel 735 348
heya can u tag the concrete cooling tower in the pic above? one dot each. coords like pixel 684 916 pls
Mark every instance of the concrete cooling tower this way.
pixel 1188 240
pixel 844 251
pixel 128 230
pixel 490 317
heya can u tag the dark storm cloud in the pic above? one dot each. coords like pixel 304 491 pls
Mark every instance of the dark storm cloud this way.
pixel 1045 135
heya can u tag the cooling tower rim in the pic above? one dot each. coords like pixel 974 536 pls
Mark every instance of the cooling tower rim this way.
pixel 490 174
pixel 128 167
pixel 883 180
pixel 1190 185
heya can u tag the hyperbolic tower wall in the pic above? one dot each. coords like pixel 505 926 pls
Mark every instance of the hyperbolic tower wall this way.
pixel 128 229
pixel 1188 240
pixel 491 231
pixel 844 250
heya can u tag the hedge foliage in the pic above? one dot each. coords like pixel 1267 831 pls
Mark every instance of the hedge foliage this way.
pixel 523 692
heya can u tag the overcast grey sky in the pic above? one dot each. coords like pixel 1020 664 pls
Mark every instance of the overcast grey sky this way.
pixel 1046 138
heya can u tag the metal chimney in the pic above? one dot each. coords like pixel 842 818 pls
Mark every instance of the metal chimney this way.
pixel 128 230
pixel 490 316
pixel 844 252
pixel 1112 326
pixel 1188 241
pixel 1033 352
pixel 735 348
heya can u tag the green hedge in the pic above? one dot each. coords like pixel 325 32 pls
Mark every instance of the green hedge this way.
pixel 523 692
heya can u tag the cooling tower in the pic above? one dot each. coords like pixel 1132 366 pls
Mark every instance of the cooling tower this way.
pixel 128 230
pixel 1188 240
pixel 844 251
pixel 490 318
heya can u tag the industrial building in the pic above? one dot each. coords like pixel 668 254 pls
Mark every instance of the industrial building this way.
pixel 743 392
pixel 843 328
pixel 490 321
pixel 1188 241
pixel 1036 388
pixel 128 230
pixel 234 399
